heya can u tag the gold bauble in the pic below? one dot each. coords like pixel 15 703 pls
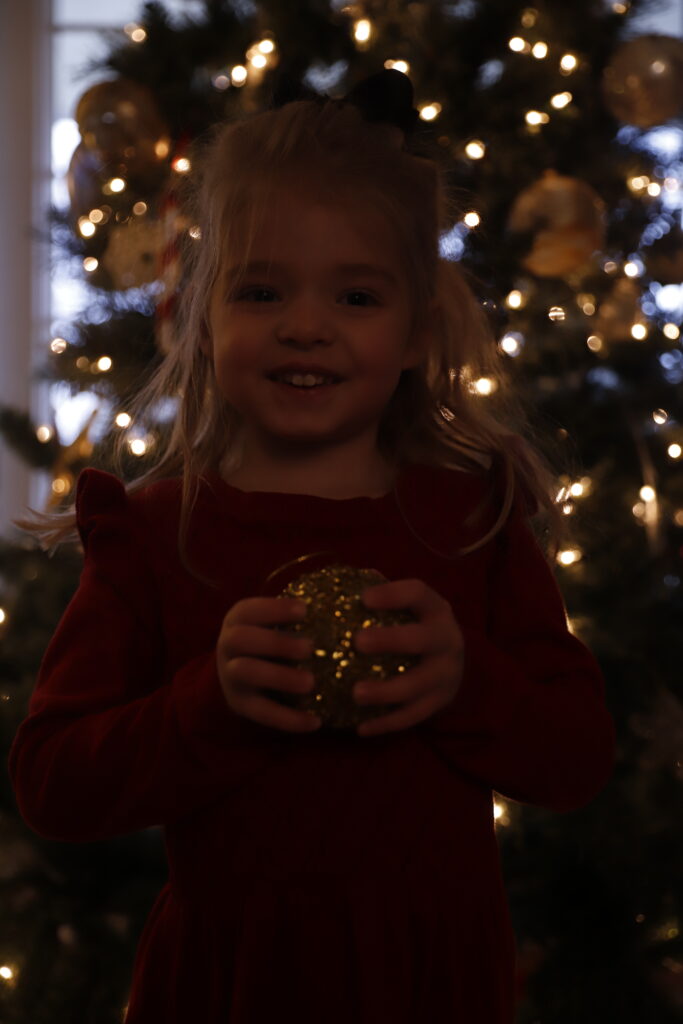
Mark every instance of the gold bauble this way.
pixel 643 84
pixel 335 612
pixel 119 120
pixel 567 219
pixel 132 257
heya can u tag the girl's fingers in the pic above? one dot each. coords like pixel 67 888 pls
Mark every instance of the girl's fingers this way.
pixel 407 639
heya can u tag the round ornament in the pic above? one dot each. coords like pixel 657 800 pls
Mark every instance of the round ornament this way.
pixel 567 220
pixel 643 85
pixel 120 121
pixel 132 255
pixel 335 612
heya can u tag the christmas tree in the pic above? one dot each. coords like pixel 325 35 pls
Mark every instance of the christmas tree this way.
pixel 559 126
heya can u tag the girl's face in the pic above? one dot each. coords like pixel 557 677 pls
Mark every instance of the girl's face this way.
pixel 326 289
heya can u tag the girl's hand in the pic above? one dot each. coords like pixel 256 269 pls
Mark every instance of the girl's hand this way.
pixel 437 637
pixel 245 644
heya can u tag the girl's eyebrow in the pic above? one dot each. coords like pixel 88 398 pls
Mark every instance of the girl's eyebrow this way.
pixel 347 269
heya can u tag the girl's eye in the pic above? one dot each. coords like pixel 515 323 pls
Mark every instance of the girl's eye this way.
pixel 254 291
pixel 363 295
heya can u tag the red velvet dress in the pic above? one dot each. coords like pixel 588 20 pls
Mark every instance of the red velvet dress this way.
pixel 324 877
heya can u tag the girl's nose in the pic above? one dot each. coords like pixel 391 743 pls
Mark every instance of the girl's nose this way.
pixel 305 320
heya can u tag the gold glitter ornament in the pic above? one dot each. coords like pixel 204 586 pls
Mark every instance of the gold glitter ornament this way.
pixel 335 613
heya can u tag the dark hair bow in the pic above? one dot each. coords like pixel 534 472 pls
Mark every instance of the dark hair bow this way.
pixel 385 97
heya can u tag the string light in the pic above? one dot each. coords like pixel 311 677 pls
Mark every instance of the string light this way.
pixel 475 149
pixel 104 364
pixel 123 420
pixel 609 266
pixel 137 446
pixel 639 332
pixel 631 269
pixel 671 331
pixel 472 219
pixel 161 148
pixel 90 264
pixel 135 32
pixel 556 313
pixel 638 182
pixel 517 44
pixel 398 65
pixel 653 189
pixel 58 345
pixel 362 30
pixel 96 216
pixel 266 45
pixel 674 451
pixel 539 50
pixel 594 342
pixel 569 556
pixel 86 227
pixel 139 209
pixel 561 100
pixel 511 343
pixel 195 231
pixel 647 493
pixel 44 434
pixel 4 971
pixel 660 416
pixel 221 82
pixel 484 386
pixel 181 164
pixel 238 75
pixel 568 63
pixel 115 185
pixel 529 16
pixel 535 117
pixel 430 111
pixel 514 299
pixel 60 485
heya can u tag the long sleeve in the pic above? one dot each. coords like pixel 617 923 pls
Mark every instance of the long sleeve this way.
pixel 109 746
pixel 530 719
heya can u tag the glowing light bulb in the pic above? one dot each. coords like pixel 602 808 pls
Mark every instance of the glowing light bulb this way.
pixel 517 44
pixel 44 434
pixel 266 46
pixel 609 266
pixel 475 149
pixel 556 313
pixel 639 332
pixel 238 75
pixel 181 164
pixel 135 32
pixel 535 117
pixel 576 489
pixel 484 386
pixel 90 264
pixel 660 416
pixel 116 185
pixel 568 63
pixel 631 269
pixel 569 556
pixel 161 148
pixel 561 100
pixel 123 420
pixel 258 60
pixel 539 50
pixel 511 344
pixel 515 299
pixel 472 219
pixel 86 227
pixel 647 493
pixel 430 111
pixel 104 364
pixel 4 971
pixel 671 331
pixel 96 216
pixel 398 65
pixel 638 182
pixel 653 189
pixel 58 345
pixel 362 30
pixel 60 485
pixel 139 209
pixel 137 447
pixel 674 451
pixel 195 231
pixel 594 342
pixel 221 82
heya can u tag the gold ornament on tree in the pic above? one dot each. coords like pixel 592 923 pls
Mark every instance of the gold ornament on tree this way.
pixel 131 258
pixel 567 219
pixel 643 84
pixel 335 612
pixel 119 120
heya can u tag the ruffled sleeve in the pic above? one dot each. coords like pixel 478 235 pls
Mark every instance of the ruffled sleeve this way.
pixel 530 719
pixel 110 745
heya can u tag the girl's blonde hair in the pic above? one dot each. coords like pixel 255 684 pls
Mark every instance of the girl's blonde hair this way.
pixel 328 152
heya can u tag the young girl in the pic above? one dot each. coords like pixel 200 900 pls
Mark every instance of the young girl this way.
pixel 324 376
